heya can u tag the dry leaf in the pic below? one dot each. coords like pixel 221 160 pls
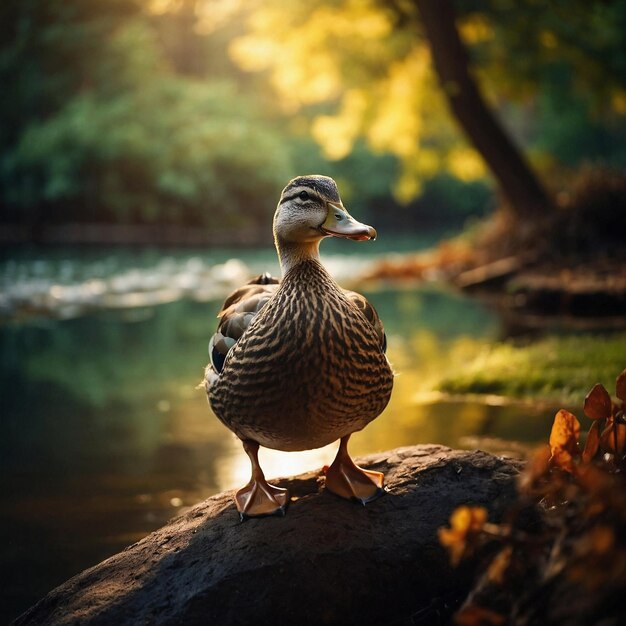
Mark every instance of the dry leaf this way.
pixel 563 459
pixel 597 403
pixel 564 440
pixel 565 432
pixel 592 443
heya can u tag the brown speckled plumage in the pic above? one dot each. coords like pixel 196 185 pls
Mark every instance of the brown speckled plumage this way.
pixel 309 368
pixel 300 363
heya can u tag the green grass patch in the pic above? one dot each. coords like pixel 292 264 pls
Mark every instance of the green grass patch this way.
pixel 555 368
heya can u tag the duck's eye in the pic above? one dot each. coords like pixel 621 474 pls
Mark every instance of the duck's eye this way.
pixel 303 195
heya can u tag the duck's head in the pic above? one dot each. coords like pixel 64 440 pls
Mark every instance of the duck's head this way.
pixel 310 209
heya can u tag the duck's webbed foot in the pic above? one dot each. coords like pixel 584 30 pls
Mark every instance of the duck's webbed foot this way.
pixel 346 479
pixel 259 498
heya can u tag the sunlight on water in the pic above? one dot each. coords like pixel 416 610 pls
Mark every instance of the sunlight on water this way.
pixel 234 472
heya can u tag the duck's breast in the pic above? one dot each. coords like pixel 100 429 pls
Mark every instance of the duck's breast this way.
pixel 309 369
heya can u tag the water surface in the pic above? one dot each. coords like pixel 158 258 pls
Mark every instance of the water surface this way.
pixel 104 435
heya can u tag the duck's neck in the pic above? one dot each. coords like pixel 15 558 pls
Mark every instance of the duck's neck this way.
pixel 291 254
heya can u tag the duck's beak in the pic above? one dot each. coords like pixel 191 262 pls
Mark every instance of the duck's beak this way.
pixel 339 223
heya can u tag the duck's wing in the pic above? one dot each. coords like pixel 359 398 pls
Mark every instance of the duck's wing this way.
pixel 238 310
pixel 370 314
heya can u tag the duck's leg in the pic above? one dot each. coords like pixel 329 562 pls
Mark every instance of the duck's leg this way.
pixel 348 480
pixel 258 497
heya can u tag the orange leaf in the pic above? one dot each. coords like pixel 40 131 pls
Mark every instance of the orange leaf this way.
pixel 465 524
pixel 597 403
pixel 620 386
pixel 563 459
pixel 454 542
pixel 564 440
pixel 592 443
pixel 565 432
pixel 469 518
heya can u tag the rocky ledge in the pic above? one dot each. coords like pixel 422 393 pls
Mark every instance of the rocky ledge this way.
pixel 328 561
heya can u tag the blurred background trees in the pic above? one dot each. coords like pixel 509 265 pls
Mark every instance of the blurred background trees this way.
pixel 196 112
pixel 110 120
pixel 179 121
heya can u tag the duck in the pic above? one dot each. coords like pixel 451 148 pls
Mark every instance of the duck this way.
pixel 297 363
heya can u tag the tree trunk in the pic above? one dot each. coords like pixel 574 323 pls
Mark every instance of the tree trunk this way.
pixel 522 190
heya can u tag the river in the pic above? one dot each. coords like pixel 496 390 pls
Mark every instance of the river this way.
pixel 104 435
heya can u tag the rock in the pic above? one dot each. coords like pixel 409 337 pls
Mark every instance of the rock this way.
pixel 328 561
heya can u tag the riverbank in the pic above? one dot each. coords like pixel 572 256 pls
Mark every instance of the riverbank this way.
pixel 558 368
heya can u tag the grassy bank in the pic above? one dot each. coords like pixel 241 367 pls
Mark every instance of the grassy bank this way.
pixel 555 368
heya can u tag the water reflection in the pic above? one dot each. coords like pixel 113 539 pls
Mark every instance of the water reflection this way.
pixel 104 436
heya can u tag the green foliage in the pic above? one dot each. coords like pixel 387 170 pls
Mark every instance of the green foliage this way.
pixel 361 70
pixel 447 195
pixel 139 143
pixel 521 44
pixel 174 150
pixel 115 111
pixel 569 60
pixel 49 51
pixel 575 133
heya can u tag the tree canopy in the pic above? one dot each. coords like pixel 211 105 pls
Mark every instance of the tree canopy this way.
pixel 107 121
pixel 369 63
pixel 197 111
